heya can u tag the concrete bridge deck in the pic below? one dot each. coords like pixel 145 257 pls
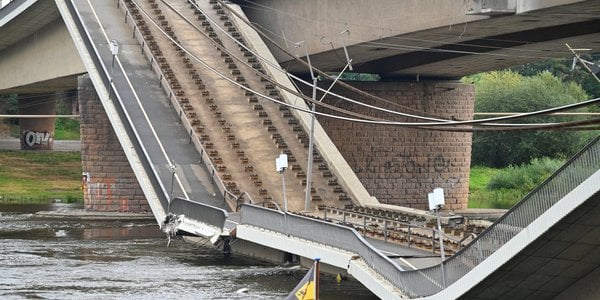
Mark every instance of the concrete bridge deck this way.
pixel 432 39
pixel 147 106
pixel 247 133
pixel 130 91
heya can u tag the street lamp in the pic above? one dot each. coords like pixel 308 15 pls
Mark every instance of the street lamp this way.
pixel 114 50
pixel 281 164
pixel 436 202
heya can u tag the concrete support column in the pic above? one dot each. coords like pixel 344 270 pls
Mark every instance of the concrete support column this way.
pixel 400 165
pixel 108 181
pixel 37 133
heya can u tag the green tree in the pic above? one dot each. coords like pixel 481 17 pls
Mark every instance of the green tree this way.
pixel 563 69
pixel 508 91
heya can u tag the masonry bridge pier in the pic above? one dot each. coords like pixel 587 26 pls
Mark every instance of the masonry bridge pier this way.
pixel 184 107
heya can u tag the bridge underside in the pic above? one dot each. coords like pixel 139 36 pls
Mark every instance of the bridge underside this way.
pixel 451 49
pixel 563 263
pixel 38 54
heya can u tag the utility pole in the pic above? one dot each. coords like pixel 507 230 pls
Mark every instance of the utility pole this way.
pixel 314 78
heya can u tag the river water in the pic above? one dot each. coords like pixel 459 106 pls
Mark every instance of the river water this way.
pixel 43 258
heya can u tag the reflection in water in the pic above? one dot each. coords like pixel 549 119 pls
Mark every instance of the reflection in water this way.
pixel 75 259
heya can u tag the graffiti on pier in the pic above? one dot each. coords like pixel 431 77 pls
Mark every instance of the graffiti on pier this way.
pixel 405 163
pixel 32 138
pixel 103 194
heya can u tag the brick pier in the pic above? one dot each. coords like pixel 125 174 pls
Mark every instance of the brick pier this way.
pixel 400 165
pixel 108 181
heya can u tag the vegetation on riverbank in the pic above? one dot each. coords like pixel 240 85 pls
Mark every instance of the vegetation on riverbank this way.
pixel 40 176
pixel 502 188
pixel 36 176
pixel 66 129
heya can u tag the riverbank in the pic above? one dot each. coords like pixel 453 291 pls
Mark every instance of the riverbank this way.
pixel 40 176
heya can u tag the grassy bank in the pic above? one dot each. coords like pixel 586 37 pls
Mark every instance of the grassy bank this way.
pixel 502 188
pixel 482 197
pixel 39 176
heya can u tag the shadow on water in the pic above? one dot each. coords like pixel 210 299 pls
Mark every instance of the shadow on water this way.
pixel 54 258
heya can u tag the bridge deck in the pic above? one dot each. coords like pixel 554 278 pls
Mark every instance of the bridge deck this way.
pixel 571 187
pixel 245 132
pixel 150 106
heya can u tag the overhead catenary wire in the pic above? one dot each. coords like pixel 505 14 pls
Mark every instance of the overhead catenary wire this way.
pixel 343 84
pixel 33 100
pixel 381 122
pixel 512 125
pixel 222 48
pixel 351 87
pixel 295 93
pixel 354 101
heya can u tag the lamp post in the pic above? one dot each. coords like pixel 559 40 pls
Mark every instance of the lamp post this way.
pixel 173 169
pixel 436 202
pixel 281 164
pixel 114 50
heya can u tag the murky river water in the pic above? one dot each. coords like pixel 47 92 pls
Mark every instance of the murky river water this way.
pixel 73 259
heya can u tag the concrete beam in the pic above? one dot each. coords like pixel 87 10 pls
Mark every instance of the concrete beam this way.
pixel 45 61
pixel 429 39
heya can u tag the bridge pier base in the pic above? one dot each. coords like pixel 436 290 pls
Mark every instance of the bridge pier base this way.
pixel 108 181
pixel 37 133
pixel 401 165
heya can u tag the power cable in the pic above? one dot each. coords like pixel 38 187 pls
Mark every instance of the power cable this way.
pixel 380 122
pixel 345 85
pixel 357 102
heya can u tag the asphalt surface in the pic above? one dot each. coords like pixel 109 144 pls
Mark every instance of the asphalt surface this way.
pixel 61 145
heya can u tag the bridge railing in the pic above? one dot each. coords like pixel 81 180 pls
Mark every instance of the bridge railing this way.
pixel 174 101
pixel 426 282
pixel 198 211
pixel 533 205
pixel 325 233
pixel 391 227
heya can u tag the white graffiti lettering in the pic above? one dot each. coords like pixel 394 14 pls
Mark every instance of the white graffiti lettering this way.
pixel 35 138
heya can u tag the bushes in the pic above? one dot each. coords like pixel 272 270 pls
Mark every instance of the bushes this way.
pixel 506 91
pixel 525 177
pixel 66 129
pixel 502 188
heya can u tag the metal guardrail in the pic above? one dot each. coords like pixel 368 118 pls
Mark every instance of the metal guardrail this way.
pixel 426 282
pixel 326 233
pixel 533 205
pixel 197 211
pixel 393 228
pixel 174 102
